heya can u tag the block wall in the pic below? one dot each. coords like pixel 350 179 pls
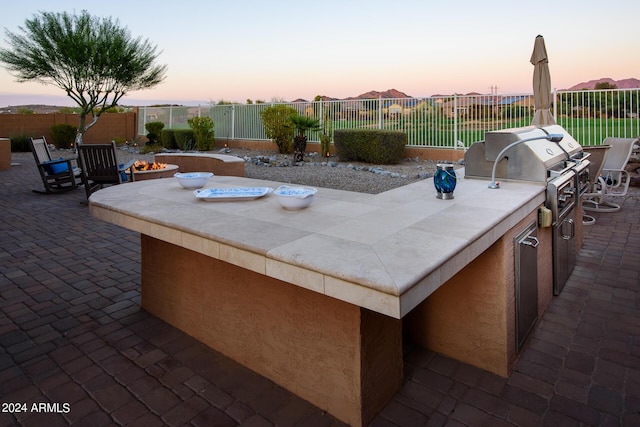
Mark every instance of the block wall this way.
pixel 110 125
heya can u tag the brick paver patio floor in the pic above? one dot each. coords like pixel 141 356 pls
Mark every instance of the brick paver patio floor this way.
pixel 73 338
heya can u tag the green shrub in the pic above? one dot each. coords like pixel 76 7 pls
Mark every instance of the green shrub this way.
pixel 20 143
pixel 382 147
pixel 168 139
pixel 278 127
pixel 63 135
pixel 185 139
pixel 155 132
pixel 202 131
pixel 147 148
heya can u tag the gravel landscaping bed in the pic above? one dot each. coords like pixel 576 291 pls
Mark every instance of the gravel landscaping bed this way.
pixel 320 172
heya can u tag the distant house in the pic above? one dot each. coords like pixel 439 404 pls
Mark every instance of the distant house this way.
pixel 520 101
pixel 352 107
pixel 477 104
pixel 397 107
pixel 309 111
pixel 426 105
pixel 394 109
pixel 518 104
pixel 458 106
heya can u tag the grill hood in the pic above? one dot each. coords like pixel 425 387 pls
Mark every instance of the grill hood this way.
pixel 536 160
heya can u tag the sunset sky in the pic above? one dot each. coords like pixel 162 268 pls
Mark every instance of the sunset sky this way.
pixel 239 50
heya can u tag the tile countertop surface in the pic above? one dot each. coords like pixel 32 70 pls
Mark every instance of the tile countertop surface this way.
pixel 386 252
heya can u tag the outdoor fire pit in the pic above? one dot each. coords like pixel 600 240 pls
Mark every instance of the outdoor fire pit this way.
pixel 145 170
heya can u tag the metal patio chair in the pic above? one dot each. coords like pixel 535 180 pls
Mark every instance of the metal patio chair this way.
pixel 593 196
pixel 58 175
pixel 100 167
pixel 613 180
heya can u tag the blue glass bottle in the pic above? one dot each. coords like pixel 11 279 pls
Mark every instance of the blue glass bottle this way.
pixel 444 180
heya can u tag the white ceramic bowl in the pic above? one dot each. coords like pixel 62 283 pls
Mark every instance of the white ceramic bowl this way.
pixel 295 198
pixel 193 179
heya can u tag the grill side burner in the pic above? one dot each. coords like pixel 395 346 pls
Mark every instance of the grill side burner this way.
pixel 561 195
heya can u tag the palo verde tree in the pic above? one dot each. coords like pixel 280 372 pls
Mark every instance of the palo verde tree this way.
pixel 94 60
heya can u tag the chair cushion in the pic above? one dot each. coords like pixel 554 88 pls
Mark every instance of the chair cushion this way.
pixel 55 167
pixel 123 174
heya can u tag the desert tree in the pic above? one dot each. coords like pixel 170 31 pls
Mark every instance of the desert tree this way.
pixel 95 61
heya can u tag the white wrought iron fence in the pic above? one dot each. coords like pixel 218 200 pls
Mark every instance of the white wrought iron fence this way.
pixel 592 115
pixel 454 121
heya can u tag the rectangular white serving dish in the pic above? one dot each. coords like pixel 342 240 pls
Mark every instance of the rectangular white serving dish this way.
pixel 231 194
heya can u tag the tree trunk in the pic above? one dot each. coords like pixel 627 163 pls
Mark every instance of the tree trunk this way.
pixel 299 147
pixel 82 128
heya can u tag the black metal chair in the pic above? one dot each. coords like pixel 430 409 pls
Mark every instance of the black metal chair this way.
pixel 58 175
pixel 100 167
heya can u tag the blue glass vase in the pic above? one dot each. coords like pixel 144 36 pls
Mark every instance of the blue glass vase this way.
pixel 445 181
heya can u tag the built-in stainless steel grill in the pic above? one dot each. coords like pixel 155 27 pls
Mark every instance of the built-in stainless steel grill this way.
pixel 536 159
pixel 550 156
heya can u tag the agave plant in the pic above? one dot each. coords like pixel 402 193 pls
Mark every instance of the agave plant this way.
pixel 302 124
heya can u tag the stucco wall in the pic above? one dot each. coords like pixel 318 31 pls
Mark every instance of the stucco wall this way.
pixel 338 356
pixel 108 127
pixel 472 317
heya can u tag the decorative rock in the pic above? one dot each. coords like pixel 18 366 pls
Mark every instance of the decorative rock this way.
pixel 283 161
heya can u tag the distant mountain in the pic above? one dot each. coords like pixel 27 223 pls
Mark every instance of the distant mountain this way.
pixel 621 84
pixel 36 108
pixel 374 94
pixel 328 98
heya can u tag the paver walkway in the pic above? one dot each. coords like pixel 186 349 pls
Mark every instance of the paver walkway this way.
pixel 74 340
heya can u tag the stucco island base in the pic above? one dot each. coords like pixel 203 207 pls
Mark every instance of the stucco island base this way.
pixel 321 309
pixel 336 355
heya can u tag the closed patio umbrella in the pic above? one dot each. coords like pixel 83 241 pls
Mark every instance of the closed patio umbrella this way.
pixel 541 85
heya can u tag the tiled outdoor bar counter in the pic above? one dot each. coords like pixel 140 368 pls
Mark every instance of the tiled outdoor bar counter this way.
pixel 320 300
